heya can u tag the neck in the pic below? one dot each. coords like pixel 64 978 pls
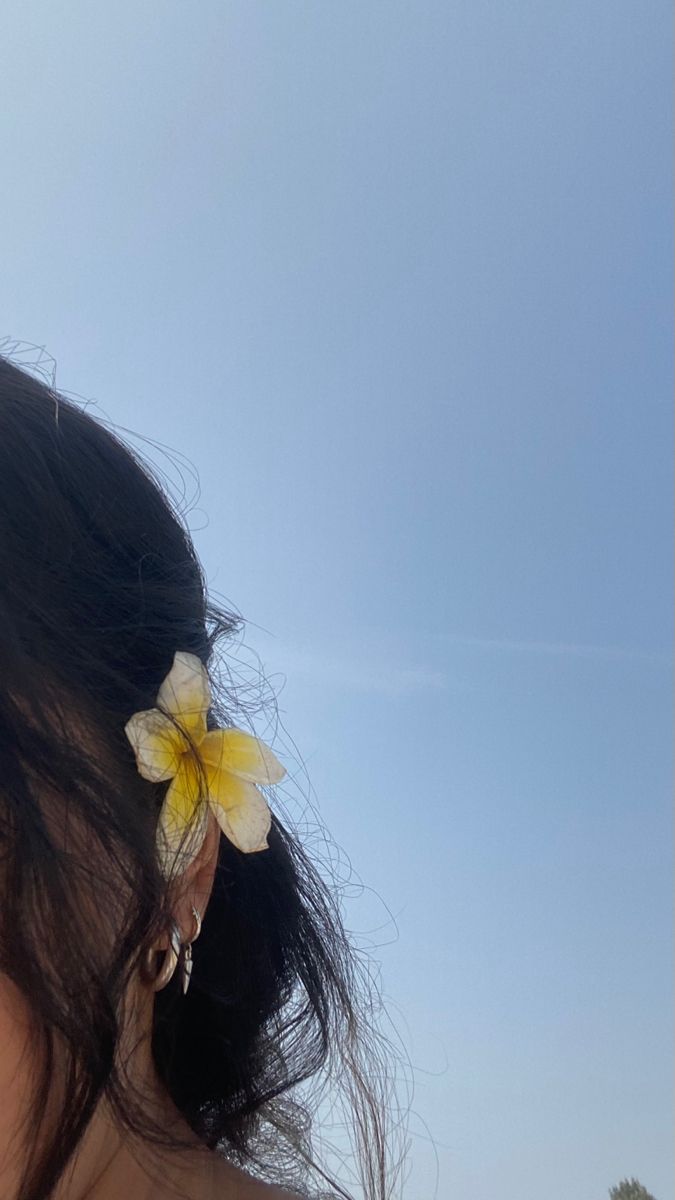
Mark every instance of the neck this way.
pixel 109 1163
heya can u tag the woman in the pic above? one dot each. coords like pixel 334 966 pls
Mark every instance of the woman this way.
pixel 171 964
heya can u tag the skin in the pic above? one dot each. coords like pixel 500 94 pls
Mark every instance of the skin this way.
pixel 107 1165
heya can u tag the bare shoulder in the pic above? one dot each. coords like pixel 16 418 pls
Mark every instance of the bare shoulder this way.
pixel 234 1184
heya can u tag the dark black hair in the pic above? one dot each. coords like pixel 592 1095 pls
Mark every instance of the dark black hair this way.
pixel 100 585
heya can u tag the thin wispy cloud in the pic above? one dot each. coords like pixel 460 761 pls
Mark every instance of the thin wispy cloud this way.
pixel 359 671
pixel 356 673
pixel 564 649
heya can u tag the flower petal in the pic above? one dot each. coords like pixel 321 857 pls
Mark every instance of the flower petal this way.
pixel 157 744
pixel 182 824
pixel 241 754
pixel 241 812
pixel 185 693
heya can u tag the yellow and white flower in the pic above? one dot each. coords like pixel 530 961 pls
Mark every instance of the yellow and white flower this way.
pixel 234 762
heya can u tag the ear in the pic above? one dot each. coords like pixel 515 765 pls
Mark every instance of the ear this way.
pixel 196 883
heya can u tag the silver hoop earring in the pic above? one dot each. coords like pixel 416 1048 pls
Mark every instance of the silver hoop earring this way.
pixel 159 979
pixel 187 951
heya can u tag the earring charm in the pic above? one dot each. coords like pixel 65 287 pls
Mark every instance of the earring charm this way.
pixel 187 951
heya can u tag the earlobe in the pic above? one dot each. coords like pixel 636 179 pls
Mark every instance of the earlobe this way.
pixel 196 885
pixel 178 951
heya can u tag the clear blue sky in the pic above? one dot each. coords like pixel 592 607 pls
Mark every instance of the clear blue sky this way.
pixel 396 278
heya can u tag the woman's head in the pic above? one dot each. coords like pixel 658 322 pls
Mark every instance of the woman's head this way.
pixel 100 587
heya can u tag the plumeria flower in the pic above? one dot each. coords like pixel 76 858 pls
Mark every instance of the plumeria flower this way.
pixel 234 762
